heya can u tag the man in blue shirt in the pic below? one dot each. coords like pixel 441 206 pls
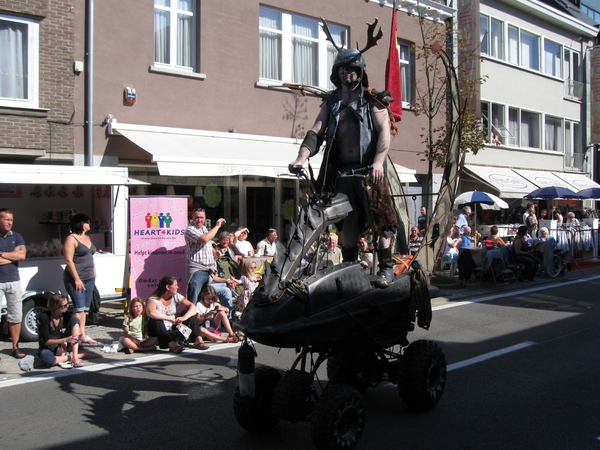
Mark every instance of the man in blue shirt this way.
pixel 465 238
pixel 12 250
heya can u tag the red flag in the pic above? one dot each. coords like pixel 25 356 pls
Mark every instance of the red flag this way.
pixel 393 80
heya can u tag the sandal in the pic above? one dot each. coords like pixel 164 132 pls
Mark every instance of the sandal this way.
pixel 177 350
pixel 17 353
pixel 201 346
pixel 76 365
pixel 87 340
pixel 232 339
pixel 66 365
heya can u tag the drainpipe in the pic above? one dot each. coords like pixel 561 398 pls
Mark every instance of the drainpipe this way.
pixel 88 127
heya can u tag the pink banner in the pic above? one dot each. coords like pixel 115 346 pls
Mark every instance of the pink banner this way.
pixel 595 93
pixel 157 247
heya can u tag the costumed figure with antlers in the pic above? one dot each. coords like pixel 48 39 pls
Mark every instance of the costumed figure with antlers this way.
pixel 355 124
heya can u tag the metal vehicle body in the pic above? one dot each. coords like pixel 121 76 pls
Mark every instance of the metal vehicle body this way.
pixel 339 315
pixel 100 192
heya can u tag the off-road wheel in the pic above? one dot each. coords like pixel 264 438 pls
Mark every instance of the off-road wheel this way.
pixel 422 375
pixel 339 418
pixel 554 266
pixel 255 414
pixel 292 399
pixel 354 368
pixel 31 309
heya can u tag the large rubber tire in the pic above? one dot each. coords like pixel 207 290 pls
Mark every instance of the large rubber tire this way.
pixel 31 309
pixel 255 414
pixel 554 267
pixel 422 375
pixel 354 368
pixel 339 418
pixel 292 399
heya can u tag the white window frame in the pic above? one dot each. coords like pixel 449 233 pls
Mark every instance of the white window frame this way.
pixel 174 13
pixel 406 71
pixel 552 64
pixel 517 46
pixel 558 129
pixel 323 45
pixel 492 37
pixel 519 127
pixel 33 70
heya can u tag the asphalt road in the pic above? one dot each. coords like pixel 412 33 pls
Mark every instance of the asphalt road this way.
pixel 523 372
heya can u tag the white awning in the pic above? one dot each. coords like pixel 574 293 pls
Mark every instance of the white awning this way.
pixel 508 183
pixel 577 180
pixel 405 174
pixel 183 152
pixel 71 175
pixel 186 152
pixel 543 179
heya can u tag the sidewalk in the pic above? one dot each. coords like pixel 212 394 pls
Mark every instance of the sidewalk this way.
pixel 108 329
pixel 110 326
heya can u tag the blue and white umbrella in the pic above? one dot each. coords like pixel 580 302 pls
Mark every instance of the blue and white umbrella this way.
pixel 480 199
pixel 593 192
pixel 551 192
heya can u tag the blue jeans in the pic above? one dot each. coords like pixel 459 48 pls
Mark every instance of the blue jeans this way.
pixel 48 354
pixel 81 300
pixel 195 285
pixel 224 294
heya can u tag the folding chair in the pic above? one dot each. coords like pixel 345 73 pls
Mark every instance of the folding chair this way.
pixel 501 273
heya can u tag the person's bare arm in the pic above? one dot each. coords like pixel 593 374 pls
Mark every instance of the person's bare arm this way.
pixel 381 122
pixel 209 236
pixel 18 254
pixel 318 127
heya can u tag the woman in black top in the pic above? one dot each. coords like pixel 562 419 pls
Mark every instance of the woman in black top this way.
pixel 522 254
pixel 80 272
pixel 58 346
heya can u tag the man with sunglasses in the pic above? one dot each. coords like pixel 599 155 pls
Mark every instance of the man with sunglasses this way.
pixel 199 250
pixel 12 250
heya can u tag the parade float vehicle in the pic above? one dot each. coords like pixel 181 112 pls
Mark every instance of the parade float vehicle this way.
pixel 343 317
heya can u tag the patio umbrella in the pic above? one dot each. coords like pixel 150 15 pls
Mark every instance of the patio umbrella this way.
pixel 483 199
pixel 551 192
pixel 592 192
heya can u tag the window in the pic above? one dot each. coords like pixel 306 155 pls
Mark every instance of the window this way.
pixel 493 123
pixel 513 45
pixel 175 33
pixel 553 134
pixel 523 48
pixel 524 127
pixel 406 72
pixel 19 61
pixel 552 58
pixel 492 42
pixel 530 55
pixel 294 48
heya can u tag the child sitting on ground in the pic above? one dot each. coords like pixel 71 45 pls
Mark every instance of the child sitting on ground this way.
pixel 212 315
pixel 135 338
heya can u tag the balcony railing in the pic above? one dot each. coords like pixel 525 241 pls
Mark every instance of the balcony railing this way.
pixel 573 89
pixel 575 161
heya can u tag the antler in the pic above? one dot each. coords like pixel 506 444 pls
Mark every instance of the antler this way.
pixel 371 37
pixel 329 36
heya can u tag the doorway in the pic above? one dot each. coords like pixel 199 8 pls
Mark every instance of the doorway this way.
pixel 260 211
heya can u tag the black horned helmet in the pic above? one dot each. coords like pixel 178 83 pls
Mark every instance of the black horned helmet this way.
pixel 352 57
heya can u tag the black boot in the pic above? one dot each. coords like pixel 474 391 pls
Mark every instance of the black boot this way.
pixel 350 254
pixel 386 266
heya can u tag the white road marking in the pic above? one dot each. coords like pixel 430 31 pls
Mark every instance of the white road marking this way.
pixel 490 355
pixel 519 292
pixel 105 366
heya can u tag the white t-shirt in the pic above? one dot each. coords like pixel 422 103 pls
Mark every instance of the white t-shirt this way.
pixel 245 248
pixel 170 309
